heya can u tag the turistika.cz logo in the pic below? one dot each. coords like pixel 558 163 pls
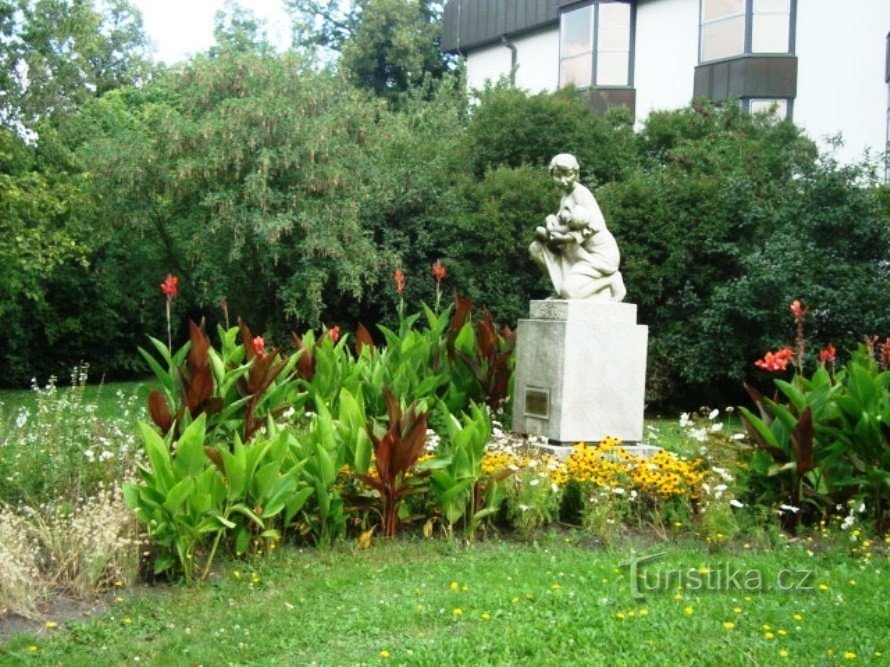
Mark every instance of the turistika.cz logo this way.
pixel 646 580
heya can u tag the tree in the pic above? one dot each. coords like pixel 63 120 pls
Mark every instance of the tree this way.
pixel 387 46
pixel 57 53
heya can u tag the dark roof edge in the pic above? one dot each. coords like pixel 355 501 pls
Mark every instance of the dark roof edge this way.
pixel 469 24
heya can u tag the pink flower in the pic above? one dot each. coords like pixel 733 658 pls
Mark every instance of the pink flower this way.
pixel 775 361
pixel 334 333
pixel 798 310
pixel 259 346
pixel 399 279
pixel 828 355
pixel 170 287
pixel 439 271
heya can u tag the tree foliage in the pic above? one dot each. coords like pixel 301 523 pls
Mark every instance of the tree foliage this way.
pixel 56 54
pixel 386 46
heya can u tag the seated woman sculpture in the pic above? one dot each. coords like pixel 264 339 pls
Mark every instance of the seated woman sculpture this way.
pixel 574 247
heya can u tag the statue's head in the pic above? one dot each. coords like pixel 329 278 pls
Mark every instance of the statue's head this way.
pixel 564 169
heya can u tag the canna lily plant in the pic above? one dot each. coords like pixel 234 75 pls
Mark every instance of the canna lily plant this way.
pixel 396 451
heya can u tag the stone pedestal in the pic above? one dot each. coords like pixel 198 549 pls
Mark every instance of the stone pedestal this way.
pixel 580 372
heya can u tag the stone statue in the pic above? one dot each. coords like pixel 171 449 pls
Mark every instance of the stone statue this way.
pixel 574 247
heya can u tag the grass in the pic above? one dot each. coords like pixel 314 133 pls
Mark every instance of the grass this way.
pixel 555 602
pixel 104 396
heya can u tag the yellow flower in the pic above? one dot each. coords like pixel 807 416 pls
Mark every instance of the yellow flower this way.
pixel 485 616
pixel 458 612
pixel 50 625
pixel 620 615
pixel 767 627
pixel 384 654
pixel 703 570
pixel 797 617
pixel 783 653
pixel 768 635
pixel 852 582
pixel 737 610
pixel 236 574
pixel 118 599
pixel 555 586
pixel 33 649
pixel 515 600
pixel 689 611
pixel 128 620
pixel 782 632
pixel 454 585
pixel 729 625
pixel 419 607
pixel 643 612
pixel 823 587
pixel 849 655
pixel 118 583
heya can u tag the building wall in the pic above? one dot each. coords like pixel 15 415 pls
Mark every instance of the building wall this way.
pixel 487 64
pixel 841 50
pixel 666 54
pixel 538 58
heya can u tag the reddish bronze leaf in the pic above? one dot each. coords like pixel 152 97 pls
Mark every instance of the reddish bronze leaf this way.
pixel 160 411
pixel 486 336
pixel 215 457
pixel 802 441
pixel 463 308
pixel 306 361
pixel 363 339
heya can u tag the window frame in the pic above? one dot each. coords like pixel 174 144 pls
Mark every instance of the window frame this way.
pixel 594 44
pixel 748 41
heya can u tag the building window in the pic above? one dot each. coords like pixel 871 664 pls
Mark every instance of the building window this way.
pixel 595 45
pixel 739 27
pixel 776 107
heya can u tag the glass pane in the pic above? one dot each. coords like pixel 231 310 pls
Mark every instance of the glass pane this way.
pixel 577 70
pixel 716 9
pixel 778 108
pixel 576 32
pixel 614 38
pixel 769 33
pixel 612 68
pixel 772 6
pixel 723 39
pixel 615 13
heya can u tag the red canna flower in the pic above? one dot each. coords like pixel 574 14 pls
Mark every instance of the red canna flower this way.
pixel 334 333
pixel 885 353
pixel 798 310
pixel 439 271
pixel 775 361
pixel 170 287
pixel 259 346
pixel 828 355
pixel 399 279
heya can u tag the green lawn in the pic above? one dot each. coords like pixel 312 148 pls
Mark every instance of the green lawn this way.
pixel 106 396
pixel 556 602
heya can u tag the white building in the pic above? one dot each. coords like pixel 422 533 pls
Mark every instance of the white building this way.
pixel 825 64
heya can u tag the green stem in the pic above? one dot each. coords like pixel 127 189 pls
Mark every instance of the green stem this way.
pixel 212 555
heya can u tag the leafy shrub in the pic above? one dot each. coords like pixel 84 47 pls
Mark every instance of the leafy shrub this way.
pixel 547 124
